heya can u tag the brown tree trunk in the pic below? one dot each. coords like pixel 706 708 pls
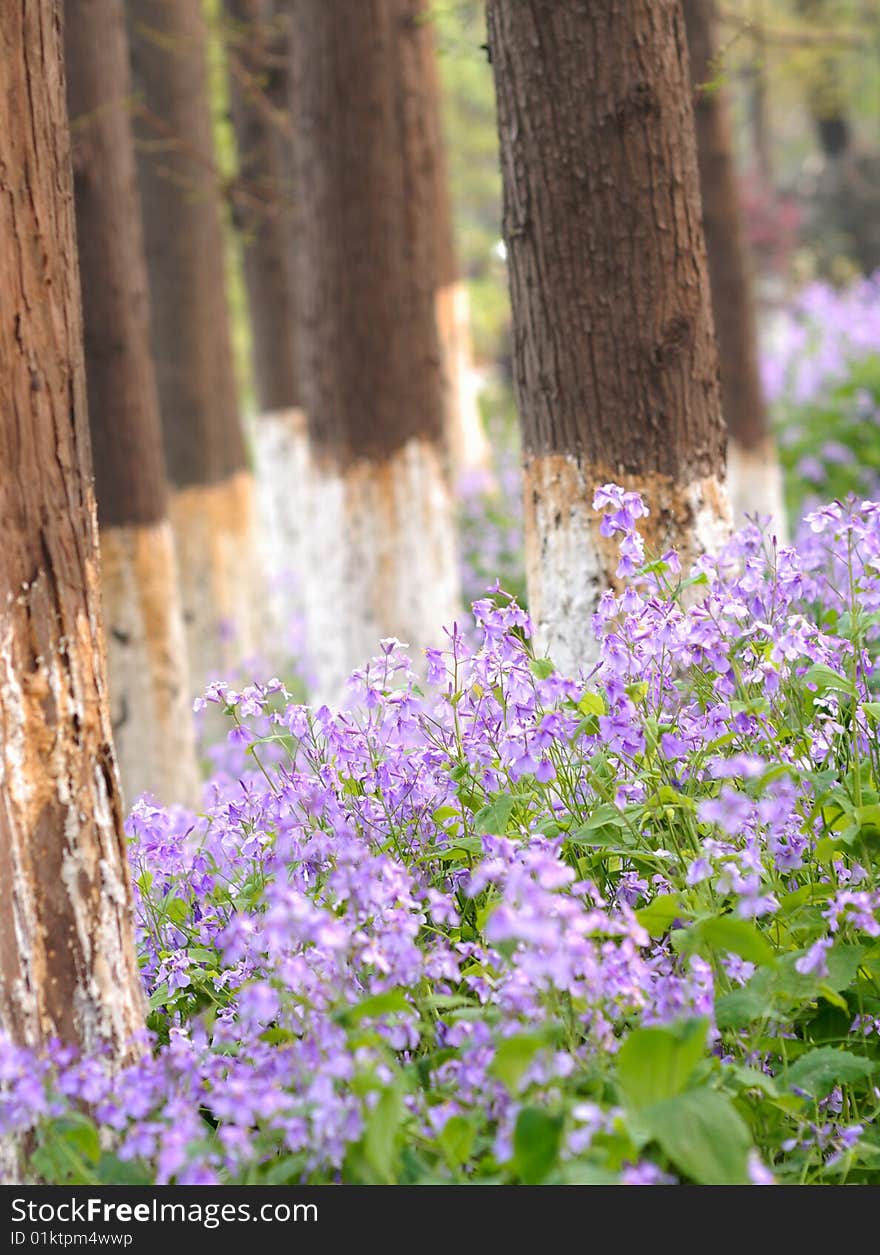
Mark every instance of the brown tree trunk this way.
pixel 615 359
pixel 146 652
pixel 212 497
pixel 372 381
pixel 468 446
pixel 754 479
pixel 258 53
pixel 258 49
pixel 67 961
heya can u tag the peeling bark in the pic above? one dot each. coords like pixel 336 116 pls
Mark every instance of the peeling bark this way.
pixel 615 359
pixel 67 961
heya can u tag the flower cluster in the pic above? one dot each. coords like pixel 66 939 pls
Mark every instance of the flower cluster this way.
pixel 513 926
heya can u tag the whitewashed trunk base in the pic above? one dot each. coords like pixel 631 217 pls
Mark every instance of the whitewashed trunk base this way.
pixel 754 485
pixel 468 443
pixel 148 676
pixel 221 584
pixel 569 564
pixel 281 459
pixel 380 561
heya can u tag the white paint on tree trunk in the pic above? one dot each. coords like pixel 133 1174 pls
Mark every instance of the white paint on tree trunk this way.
pixel 569 564
pixel 148 675
pixel 754 485
pixel 221 584
pixel 466 437
pixel 379 560
pixel 281 459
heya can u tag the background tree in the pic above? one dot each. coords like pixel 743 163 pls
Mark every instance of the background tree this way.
pixel 382 561
pixel 615 359
pixel 754 479
pixel 67 961
pixel 212 500
pixel 257 46
pixel 468 445
pixel 146 653
pixel 847 195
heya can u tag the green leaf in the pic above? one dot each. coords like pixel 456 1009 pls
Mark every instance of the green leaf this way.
pixel 536 1141
pixel 377 1004
pixel 513 1057
pixel 703 1135
pixel 456 1140
pixel 495 817
pixel 176 910
pixel 654 1064
pixel 819 1070
pixel 739 1008
pixel 658 915
pixel 825 678
pixel 380 1136
pixel 159 997
pixel 591 703
pixel 541 668
pixel 726 934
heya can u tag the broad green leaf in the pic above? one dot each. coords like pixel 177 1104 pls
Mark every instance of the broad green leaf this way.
pixel 541 668
pixel 380 1136
pixel 658 915
pixel 704 1136
pixel 825 677
pixel 591 703
pixel 513 1056
pixel 456 1139
pixel 376 1004
pixel 494 817
pixel 741 1007
pixel 536 1142
pixel 819 1070
pixel 723 934
pixel 654 1064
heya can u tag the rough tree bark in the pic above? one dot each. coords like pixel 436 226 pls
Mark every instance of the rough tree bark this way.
pixel 258 51
pixel 212 499
pixel 383 561
pixel 67 961
pixel 146 651
pixel 615 359
pixel 426 150
pixel 754 477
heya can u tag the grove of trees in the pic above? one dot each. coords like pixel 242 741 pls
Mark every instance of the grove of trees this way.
pixel 180 178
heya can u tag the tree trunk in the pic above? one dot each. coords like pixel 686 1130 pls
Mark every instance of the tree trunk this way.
pixel 212 498
pixel 67 962
pixel 615 359
pixel 754 478
pixel 467 442
pixel 258 53
pixel 383 562
pixel 146 654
